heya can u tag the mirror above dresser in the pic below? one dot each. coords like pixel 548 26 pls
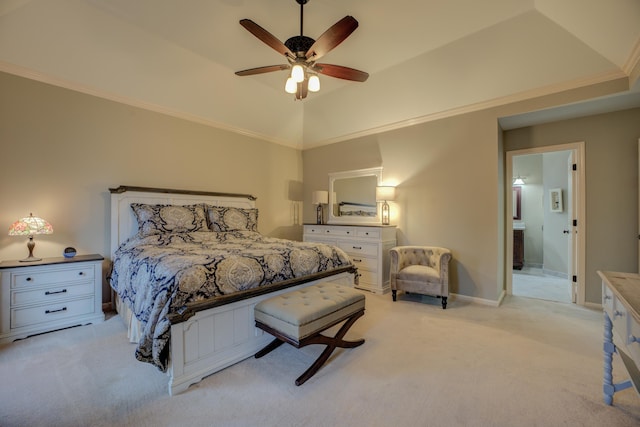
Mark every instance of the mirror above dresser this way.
pixel 352 196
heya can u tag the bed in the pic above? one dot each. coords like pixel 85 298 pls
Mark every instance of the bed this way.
pixel 186 288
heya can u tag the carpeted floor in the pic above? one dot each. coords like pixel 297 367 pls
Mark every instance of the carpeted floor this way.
pixel 526 363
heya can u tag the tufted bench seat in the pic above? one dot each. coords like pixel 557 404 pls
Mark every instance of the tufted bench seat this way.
pixel 299 317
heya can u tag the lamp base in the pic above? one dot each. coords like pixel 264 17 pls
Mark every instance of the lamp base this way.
pixel 319 219
pixel 30 245
pixel 30 259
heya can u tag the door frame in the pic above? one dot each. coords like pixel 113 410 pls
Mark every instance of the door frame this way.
pixel 577 264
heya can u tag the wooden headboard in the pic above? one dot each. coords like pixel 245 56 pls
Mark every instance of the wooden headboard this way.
pixel 123 220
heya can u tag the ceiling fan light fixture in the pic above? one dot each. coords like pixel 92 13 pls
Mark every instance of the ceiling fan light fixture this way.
pixel 297 73
pixel 314 83
pixel 291 86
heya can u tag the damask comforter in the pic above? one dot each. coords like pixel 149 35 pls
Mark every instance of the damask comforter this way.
pixel 160 274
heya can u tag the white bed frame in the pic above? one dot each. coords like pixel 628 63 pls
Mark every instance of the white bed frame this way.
pixel 217 337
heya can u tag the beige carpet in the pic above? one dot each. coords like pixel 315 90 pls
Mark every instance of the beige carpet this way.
pixel 526 363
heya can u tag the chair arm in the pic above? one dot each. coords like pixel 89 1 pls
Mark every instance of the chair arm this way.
pixel 431 256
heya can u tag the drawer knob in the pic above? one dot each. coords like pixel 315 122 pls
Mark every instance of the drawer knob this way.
pixel 357 247
pixel 55 311
pixel 56 292
pixel 357 260
pixel 633 338
pixel 81 273
pixel 29 279
pixel 618 313
pixel 606 297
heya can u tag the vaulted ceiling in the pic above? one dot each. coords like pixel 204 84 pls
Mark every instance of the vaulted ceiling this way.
pixel 425 57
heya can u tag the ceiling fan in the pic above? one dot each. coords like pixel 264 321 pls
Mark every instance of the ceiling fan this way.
pixel 302 52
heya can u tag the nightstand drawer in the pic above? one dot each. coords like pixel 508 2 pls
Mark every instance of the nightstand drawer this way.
pixel 52 276
pixel 21 317
pixel 50 294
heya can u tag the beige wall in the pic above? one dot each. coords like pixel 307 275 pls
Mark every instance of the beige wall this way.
pixel 451 187
pixel 611 155
pixel 446 173
pixel 61 151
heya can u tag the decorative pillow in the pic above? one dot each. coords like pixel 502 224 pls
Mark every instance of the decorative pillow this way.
pixel 160 219
pixel 232 219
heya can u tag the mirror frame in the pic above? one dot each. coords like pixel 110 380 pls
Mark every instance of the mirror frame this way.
pixel 377 172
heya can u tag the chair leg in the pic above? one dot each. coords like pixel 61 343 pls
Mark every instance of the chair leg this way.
pixel 393 294
pixel 444 303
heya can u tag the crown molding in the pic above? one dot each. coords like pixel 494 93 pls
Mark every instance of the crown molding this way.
pixel 479 106
pixel 496 102
pixel 632 65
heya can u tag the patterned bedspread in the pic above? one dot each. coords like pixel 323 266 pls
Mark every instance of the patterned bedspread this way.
pixel 160 274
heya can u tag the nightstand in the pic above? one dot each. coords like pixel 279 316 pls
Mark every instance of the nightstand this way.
pixel 51 294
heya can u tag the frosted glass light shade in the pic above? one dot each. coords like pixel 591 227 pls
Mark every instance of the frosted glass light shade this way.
pixel 314 84
pixel 518 181
pixel 297 73
pixel 385 193
pixel 291 86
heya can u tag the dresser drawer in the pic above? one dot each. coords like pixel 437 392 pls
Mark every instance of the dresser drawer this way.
pixel 620 319
pixel 607 301
pixel 21 317
pixel 52 276
pixel 50 294
pixel 359 248
pixel 367 233
pixel 364 263
pixel 367 277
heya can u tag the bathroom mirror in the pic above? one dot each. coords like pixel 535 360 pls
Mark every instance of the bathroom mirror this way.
pixel 517 190
pixel 352 196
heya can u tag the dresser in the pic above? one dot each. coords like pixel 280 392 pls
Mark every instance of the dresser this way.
pixel 621 306
pixel 54 293
pixel 367 246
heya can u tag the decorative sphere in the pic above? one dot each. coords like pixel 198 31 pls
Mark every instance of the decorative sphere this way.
pixel 69 252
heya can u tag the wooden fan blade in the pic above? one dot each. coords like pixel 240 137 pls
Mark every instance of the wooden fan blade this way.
pixel 266 37
pixel 261 70
pixel 341 72
pixel 332 37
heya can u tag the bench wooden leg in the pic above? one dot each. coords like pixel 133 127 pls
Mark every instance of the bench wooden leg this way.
pixel 269 348
pixel 331 344
pixel 317 338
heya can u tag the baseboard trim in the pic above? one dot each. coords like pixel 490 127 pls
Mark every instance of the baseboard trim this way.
pixel 593 305
pixel 477 300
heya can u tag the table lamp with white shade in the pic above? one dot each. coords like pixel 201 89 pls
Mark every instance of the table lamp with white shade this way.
pixel 319 198
pixel 384 194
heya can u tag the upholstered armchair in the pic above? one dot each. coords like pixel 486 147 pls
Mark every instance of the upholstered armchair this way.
pixel 421 270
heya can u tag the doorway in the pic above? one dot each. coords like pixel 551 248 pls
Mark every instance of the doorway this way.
pixel 546 259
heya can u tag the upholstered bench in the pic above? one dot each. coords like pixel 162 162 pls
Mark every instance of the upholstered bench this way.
pixel 299 317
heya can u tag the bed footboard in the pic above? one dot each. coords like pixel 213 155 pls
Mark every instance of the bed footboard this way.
pixel 213 339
